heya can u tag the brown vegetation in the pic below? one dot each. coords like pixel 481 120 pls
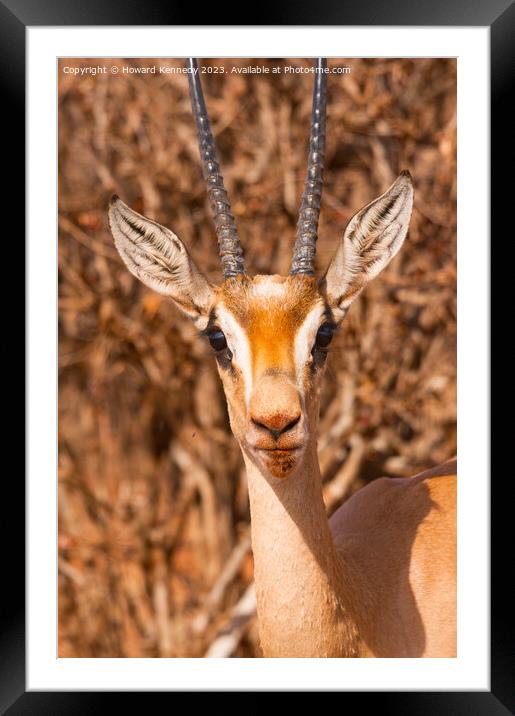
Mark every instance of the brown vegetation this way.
pixel 154 552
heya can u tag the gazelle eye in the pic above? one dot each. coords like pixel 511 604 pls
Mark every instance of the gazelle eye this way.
pixel 324 335
pixel 217 340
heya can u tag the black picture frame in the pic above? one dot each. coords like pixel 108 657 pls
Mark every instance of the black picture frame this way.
pixel 15 17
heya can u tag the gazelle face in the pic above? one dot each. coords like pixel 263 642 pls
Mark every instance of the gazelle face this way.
pixel 270 336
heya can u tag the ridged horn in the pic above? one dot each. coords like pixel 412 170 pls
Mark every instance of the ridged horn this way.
pixel 231 253
pixel 303 259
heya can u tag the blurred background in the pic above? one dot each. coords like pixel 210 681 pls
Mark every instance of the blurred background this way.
pixel 154 549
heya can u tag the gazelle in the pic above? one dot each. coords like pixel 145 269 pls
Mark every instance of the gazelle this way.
pixel 378 579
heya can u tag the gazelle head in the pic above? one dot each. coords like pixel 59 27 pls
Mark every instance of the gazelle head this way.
pixel 269 334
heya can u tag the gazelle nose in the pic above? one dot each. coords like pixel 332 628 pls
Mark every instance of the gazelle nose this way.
pixel 275 406
pixel 276 424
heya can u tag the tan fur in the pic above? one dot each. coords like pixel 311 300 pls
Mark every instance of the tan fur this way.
pixel 270 310
pixel 271 319
pixel 381 582
pixel 397 538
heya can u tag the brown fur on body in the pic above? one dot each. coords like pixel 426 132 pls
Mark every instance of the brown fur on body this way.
pixel 397 538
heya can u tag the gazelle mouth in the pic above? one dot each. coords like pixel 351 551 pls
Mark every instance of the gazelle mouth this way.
pixel 280 462
pixel 280 450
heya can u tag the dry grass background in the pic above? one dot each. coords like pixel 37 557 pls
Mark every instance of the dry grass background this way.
pixel 154 555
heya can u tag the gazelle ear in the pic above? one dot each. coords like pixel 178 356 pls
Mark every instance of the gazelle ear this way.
pixel 159 259
pixel 371 240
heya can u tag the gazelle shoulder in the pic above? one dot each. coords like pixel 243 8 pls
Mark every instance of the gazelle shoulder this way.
pixel 388 504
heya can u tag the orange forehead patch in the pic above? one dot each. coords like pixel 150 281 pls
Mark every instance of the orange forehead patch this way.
pixel 271 309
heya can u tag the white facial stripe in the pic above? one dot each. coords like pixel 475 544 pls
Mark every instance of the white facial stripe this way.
pixel 239 346
pixel 269 289
pixel 304 341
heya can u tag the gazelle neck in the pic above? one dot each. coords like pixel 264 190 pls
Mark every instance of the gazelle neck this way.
pixel 300 579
